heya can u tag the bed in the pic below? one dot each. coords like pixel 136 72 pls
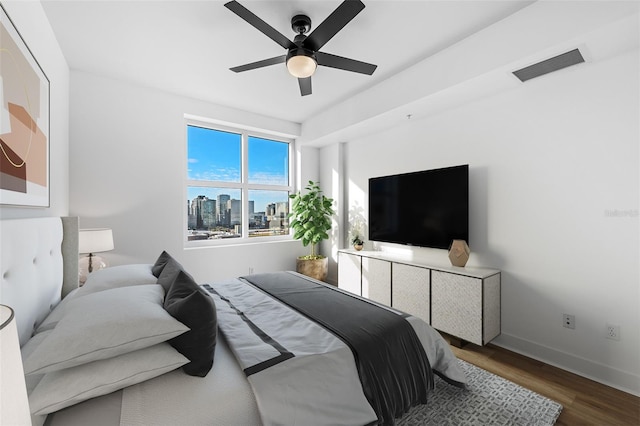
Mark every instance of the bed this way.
pixel 144 344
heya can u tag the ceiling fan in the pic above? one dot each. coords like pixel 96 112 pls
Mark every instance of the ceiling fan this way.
pixel 303 54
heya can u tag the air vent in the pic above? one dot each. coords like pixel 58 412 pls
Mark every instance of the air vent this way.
pixel 556 63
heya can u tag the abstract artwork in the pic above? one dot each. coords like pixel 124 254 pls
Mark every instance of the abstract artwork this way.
pixel 24 122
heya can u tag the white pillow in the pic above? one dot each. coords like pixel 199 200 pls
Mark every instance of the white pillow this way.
pixel 57 313
pixel 104 325
pixel 118 276
pixel 63 388
pixel 103 279
pixel 32 380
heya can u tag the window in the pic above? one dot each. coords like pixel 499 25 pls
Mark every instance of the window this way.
pixel 238 185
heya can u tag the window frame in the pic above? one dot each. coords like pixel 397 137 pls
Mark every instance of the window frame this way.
pixel 244 186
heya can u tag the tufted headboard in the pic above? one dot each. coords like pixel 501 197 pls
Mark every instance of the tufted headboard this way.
pixel 38 266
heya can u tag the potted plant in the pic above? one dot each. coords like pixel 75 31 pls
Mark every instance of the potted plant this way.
pixel 357 242
pixel 310 219
pixel 356 232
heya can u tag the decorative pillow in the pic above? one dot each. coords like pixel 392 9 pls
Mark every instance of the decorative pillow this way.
pixel 160 263
pixel 104 325
pixel 169 273
pixel 60 389
pixel 191 306
pixel 118 276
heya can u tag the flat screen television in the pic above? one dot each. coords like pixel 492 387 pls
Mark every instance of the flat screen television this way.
pixel 429 208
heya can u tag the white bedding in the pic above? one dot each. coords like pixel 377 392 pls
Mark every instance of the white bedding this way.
pixel 223 397
pixel 313 377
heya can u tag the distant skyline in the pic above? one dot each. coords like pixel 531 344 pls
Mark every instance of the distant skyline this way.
pixel 260 198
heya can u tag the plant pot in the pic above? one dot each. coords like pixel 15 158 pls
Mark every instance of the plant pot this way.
pixel 358 247
pixel 314 268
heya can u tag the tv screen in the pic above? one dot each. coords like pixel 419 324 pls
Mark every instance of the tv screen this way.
pixel 428 208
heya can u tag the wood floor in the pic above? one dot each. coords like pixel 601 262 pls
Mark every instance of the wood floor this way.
pixel 584 401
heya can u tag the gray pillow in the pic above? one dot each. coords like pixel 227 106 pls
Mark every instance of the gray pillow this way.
pixel 190 305
pixel 103 279
pixel 104 325
pixel 161 262
pixel 32 380
pixel 169 273
pixel 63 388
pixel 58 312
pixel 118 276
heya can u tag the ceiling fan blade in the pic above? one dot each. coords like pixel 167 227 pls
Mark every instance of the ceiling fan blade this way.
pixel 259 24
pixel 260 64
pixel 305 86
pixel 334 23
pixel 339 62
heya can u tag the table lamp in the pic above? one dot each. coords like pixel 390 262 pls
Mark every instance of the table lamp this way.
pixel 92 241
pixel 14 404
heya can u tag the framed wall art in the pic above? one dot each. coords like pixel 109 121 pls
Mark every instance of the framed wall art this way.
pixel 24 122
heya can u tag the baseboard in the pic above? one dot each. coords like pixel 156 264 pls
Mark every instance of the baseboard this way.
pixel 622 380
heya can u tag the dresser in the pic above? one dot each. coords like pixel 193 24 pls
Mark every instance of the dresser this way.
pixel 462 302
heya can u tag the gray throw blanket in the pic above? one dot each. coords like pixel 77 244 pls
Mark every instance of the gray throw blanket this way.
pixel 392 364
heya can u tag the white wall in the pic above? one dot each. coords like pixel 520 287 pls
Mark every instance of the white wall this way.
pixel 331 180
pixel 33 25
pixel 549 162
pixel 128 168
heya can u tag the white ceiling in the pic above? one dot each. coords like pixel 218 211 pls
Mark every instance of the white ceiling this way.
pixel 187 47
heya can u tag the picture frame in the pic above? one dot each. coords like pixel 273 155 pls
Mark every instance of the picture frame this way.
pixel 24 122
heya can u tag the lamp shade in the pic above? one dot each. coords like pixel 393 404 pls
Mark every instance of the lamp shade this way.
pixel 95 240
pixel 301 63
pixel 14 404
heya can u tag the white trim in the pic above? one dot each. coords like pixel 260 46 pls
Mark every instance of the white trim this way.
pixel 607 375
pixel 238 126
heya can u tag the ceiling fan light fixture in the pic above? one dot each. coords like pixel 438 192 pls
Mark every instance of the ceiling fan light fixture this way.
pixel 301 63
pixel 303 53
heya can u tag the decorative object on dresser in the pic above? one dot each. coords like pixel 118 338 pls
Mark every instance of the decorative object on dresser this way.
pixel 356 235
pixel 464 303
pixel 459 253
pixel 13 390
pixel 310 221
pixel 357 243
pixel 95 240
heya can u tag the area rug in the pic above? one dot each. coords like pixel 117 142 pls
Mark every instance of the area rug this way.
pixel 488 400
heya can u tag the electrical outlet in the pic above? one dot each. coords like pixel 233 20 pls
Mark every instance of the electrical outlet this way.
pixel 569 321
pixel 613 332
pixel 250 270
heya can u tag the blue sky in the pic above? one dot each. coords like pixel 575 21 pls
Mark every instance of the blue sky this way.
pixel 215 155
